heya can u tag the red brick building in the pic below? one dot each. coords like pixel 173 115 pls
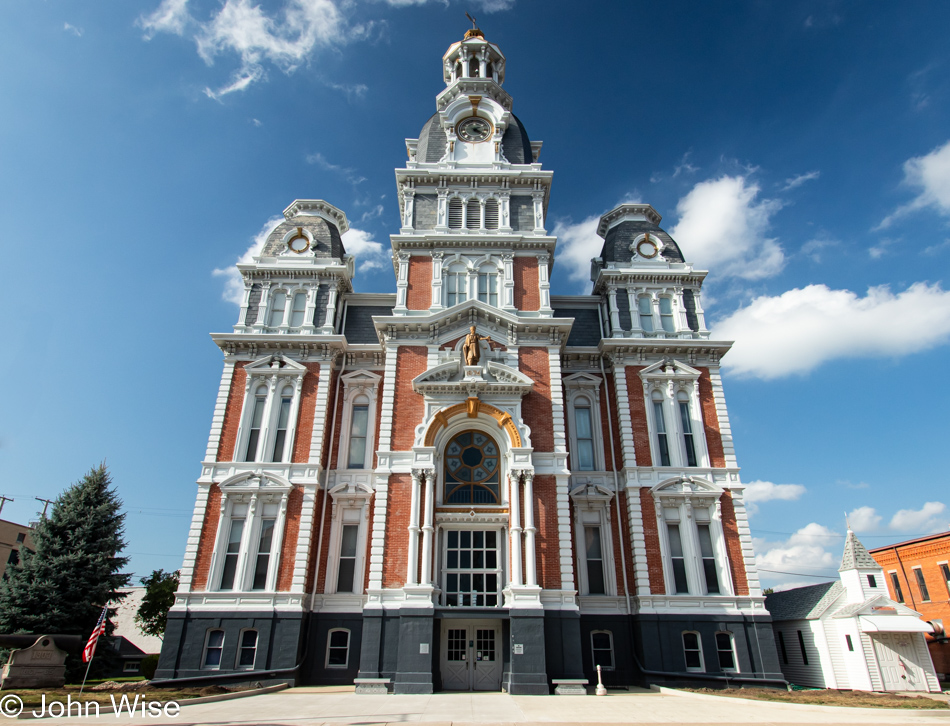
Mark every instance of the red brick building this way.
pixel 472 483
pixel 918 575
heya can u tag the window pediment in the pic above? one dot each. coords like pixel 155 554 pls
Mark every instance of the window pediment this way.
pixel 451 378
pixel 258 482
pixel 274 365
pixel 669 370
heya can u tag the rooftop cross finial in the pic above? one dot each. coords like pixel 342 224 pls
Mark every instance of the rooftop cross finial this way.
pixel 474 24
pixel 846 521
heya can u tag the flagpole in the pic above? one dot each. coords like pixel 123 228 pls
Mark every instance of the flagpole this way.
pixel 87 674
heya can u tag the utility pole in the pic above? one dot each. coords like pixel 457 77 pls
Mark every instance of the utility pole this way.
pixel 46 503
pixel 4 500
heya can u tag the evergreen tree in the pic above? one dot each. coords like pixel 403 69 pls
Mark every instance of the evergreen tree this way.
pixel 62 587
pixel 160 588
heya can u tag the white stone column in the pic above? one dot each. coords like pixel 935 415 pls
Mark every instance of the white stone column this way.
pixel 331 311
pixel 544 283
pixel 504 211
pixel 313 292
pixel 276 545
pixel 530 565
pixel 441 222
pixel 427 528
pixel 508 285
pixel 700 313
pixel 615 330
pixel 263 309
pixel 408 204
pixel 245 304
pixel 514 507
pixel 413 554
pixel 538 198
pixel 634 312
pixel 402 283
pixel 436 302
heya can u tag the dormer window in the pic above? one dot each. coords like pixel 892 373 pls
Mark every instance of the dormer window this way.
pixel 277 305
pixel 666 314
pixel 298 309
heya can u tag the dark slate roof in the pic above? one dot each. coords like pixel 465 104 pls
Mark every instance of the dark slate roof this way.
pixel 802 603
pixel 586 328
pixel 359 326
pixel 856 557
pixel 327 241
pixel 617 242
pixel 515 143
pixel 431 145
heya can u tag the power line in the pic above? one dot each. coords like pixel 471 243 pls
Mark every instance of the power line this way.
pixel 799 574
pixel 840 536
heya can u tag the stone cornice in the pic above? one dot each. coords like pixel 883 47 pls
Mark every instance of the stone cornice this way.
pixel 500 242
pixel 321 209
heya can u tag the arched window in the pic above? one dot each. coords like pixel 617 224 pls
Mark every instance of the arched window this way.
pixel 247 652
pixel 645 308
pixel 233 551
pixel 662 438
pixel 455 213
pixel 725 648
pixel 214 644
pixel 359 426
pixel 257 420
pixel 297 310
pixel 488 286
pixel 491 214
pixel 456 282
pixel 264 544
pixel 473 214
pixel 283 421
pixel 686 419
pixel 277 305
pixel 666 314
pixel 338 648
pixel 602 649
pixel 472 469
pixel 584 433
pixel 693 651
pixel 473 67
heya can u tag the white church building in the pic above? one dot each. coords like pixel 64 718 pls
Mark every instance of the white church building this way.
pixel 849 634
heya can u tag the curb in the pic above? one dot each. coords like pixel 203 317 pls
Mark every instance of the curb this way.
pixel 105 710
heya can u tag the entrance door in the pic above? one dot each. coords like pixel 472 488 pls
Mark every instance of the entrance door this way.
pixel 898 662
pixel 471 655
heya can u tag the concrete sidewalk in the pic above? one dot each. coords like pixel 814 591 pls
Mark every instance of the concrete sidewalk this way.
pixel 312 706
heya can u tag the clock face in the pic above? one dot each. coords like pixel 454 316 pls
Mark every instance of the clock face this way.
pixel 299 244
pixel 474 129
pixel 647 248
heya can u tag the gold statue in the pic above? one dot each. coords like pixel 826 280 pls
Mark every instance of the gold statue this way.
pixel 470 350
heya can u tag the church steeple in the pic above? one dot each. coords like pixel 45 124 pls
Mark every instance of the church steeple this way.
pixel 856 556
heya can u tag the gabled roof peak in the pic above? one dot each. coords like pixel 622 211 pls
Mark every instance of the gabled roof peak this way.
pixel 856 556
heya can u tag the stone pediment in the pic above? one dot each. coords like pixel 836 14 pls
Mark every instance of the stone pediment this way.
pixel 454 379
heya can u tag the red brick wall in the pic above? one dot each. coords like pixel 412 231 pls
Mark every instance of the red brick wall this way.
pixel 209 529
pixel 733 546
pixel 396 548
pixel 924 554
pixel 288 550
pixel 306 412
pixel 232 414
pixel 710 420
pixel 419 292
pixel 536 407
pixel 408 406
pixel 621 539
pixel 638 416
pixel 333 404
pixel 651 537
pixel 613 451
pixel 314 537
pixel 547 545
pixel 527 283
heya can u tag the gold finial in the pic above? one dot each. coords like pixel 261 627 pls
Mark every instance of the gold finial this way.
pixel 474 31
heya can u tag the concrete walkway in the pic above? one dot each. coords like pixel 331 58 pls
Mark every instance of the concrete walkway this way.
pixel 311 706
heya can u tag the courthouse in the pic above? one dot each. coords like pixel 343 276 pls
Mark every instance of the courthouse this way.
pixel 474 483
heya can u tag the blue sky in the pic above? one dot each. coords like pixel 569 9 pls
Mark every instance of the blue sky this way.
pixel 800 151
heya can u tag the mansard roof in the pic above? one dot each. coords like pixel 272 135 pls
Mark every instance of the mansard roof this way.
pixel 323 223
pixel 619 238
pixel 855 556
pixel 514 143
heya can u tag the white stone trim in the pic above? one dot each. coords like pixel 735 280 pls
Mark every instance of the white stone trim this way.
pixel 624 417
pixel 745 541
pixel 641 571
pixel 220 407
pixel 325 372
pixel 722 414
pixel 194 538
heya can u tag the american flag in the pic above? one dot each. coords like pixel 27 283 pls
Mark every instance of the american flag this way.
pixel 90 649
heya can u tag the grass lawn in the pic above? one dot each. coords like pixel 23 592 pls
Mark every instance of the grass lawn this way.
pixel 32 697
pixel 821 697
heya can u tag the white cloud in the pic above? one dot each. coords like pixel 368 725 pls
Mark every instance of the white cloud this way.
pixel 356 90
pixel 796 181
pixel 797 331
pixel 880 249
pixel 929 518
pixel 723 228
pixel 171 16
pixel 233 283
pixel 373 213
pixel 242 27
pixel 369 253
pixel 766 491
pixel 804 552
pixel 577 245
pixel 937 248
pixel 930 174
pixel 813 248
pixel 864 519
pixel 347 173
pixel 73 29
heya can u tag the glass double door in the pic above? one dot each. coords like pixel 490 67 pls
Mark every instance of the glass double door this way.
pixel 471 655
